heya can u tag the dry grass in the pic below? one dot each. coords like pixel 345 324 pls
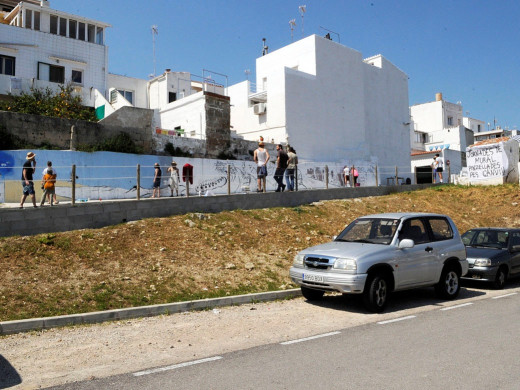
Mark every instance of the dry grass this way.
pixel 195 256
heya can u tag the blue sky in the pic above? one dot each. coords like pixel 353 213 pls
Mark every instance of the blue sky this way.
pixel 466 49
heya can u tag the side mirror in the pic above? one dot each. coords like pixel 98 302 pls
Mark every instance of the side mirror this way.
pixel 334 238
pixel 406 243
pixel 515 248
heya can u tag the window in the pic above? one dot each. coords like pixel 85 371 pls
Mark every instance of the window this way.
pixel 478 128
pixel 128 95
pixel 450 121
pixel 63 27
pixel 77 77
pixel 99 36
pixel 28 18
pixel 414 229
pixel 36 21
pixel 54 24
pixel 72 29
pixel 441 229
pixel 7 65
pixel 52 73
pixel 91 32
pixel 81 31
pixel 172 96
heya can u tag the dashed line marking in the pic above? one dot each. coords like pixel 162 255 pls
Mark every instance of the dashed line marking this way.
pixel 310 338
pixel 457 306
pixel 180 365
pixel 396 320
pixel 503 296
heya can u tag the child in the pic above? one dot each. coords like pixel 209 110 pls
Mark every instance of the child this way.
pixel 48 181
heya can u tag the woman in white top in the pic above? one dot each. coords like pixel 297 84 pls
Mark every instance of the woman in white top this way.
pixel 174 178
pixel 261 158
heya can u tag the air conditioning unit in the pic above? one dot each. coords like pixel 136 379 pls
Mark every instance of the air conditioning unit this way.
pixel 259 108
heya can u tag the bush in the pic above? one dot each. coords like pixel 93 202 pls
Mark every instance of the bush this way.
pixel 121 143
pixel 60 104
pixel 175 151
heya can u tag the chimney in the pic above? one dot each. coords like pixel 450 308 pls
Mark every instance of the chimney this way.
pixel 168 70
pixel 438 96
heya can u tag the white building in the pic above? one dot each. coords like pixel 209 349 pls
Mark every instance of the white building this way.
pixel 44 48
pixel 438 127
pixel 326 101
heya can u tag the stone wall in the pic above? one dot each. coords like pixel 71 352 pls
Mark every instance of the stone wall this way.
pixel 99 214
pixel 40 130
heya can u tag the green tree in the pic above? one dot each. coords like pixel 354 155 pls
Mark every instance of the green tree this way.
pixel 60 104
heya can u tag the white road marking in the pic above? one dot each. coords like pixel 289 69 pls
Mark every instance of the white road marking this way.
pixel 503 296
pixel 173 367
pixel 395 320
pixel 309 338
pixel 457 306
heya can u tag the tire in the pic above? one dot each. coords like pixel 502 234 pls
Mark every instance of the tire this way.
pixel 311 294
pixel 376 293
pixel 449 283
pixel 500 279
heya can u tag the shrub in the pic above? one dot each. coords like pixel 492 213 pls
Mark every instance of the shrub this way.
pixel 121 143
pixel 175 151
pixel 58 104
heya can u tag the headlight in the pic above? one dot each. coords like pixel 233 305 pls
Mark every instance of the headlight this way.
pixel 346 264
pixel 482 262
pixel 298 259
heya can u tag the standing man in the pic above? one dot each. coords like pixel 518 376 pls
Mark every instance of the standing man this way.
pixel 292 162
pixel 434 168
pixel 261 158
pixel 29 167
pixel 281 166
pixel 440 165
pixel 157 181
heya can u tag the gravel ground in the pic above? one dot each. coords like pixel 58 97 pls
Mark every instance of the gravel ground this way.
pixel 64 355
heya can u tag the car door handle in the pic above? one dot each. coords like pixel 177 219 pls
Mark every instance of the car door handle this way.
pixel 428 249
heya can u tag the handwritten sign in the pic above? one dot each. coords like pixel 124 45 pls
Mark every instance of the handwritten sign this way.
pixel 487 161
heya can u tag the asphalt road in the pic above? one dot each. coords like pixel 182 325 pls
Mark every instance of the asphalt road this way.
pixel 472 345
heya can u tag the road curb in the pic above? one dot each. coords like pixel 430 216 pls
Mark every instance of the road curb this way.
pixel 19 326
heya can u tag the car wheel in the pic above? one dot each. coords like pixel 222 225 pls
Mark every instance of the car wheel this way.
pixel 311 294
pixel 449 284
pixel 376 292
pixel 500 279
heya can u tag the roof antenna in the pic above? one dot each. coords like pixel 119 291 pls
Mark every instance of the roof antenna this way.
pixel 292 23
pixel 155 31
pixel 303 9
pixel 265 48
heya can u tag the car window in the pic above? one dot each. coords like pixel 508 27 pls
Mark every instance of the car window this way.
pixel 441 229
pixel 370 230
pixel 415 230
pixel 515 241
pixel 489 238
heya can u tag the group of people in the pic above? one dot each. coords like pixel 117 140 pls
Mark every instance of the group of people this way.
pixel 437 167
pixel 350 174
pixel 286 163
pixel 173 182
pixel 49 176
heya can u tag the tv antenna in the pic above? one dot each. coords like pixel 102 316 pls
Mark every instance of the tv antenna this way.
pixel 303 9
pixel 292 23
pixel 247 73
pixel 265 48
pixel 155 31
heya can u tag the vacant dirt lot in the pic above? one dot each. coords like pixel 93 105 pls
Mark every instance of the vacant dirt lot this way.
pixel 204 255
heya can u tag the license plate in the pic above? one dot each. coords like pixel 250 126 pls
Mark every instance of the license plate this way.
pixel 313 278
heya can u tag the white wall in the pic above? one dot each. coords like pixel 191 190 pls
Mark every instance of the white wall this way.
pixel 188 113
pixel 329 103
pixel 137 86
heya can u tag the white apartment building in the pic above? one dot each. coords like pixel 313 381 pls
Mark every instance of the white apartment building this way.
pixel 44 48
pixel 328 102
pixel 439 127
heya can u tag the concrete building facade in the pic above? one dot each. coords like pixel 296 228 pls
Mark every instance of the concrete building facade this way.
pixel 326 101
pixel 44 48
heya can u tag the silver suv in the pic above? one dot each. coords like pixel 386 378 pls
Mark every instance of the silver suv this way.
pixel 377 254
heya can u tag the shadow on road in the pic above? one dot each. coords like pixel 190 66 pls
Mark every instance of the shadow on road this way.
pixel 398 301
pixel 9 377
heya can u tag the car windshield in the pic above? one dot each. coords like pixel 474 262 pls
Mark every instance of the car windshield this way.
pixel 482 238
pixel 370 230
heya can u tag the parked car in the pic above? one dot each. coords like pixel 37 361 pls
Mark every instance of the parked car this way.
pixel 378 254
pixel 493 254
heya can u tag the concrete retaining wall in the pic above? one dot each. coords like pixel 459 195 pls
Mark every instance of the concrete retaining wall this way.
pixel 31 221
